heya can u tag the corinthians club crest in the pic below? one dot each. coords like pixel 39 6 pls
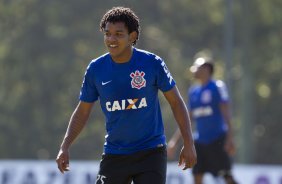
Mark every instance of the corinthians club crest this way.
pixel 138 80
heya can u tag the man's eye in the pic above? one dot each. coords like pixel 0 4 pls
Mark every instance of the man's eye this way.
pixel 119 34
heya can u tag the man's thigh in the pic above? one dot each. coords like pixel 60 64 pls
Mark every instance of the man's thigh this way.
pixel 149 177
pixel 139 167
pixel 152 170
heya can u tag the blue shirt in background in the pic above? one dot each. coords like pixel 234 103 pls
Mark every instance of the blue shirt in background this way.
pixel 204 104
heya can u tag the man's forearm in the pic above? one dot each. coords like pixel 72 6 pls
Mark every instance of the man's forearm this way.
pixel 182 117
pixel 227 118
pixel 76 124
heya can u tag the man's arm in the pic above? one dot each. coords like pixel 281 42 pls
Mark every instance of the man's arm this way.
pixel 76 124
pixel 229 144
pixel 173 141
pixel 188 156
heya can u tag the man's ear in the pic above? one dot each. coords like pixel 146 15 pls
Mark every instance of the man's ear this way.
pixel 133 36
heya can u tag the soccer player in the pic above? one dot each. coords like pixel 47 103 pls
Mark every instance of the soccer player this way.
pixel 126 80
pixel 209 109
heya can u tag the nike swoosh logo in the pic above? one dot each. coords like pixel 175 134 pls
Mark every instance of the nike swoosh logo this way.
pixel 104 83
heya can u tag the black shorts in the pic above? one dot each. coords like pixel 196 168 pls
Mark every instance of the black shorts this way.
pixel 144 167
pixel 212 158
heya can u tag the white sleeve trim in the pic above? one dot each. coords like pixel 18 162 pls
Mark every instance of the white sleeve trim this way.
pixel 222 89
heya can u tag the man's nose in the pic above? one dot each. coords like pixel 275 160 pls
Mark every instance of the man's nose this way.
pixel 111 38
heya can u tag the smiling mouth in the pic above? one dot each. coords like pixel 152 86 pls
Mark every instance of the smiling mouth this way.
pixel 112 46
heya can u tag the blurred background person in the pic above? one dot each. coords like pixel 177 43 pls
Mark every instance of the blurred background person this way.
pixel 208 104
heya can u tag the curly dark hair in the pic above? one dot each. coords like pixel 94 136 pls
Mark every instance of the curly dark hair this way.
pixel 122 14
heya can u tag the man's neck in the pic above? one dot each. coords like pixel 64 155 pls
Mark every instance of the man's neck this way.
pixel 205 80
pixel 125 57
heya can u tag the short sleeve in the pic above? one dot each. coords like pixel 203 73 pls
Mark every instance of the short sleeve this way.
pixel 88 92
pixel 165 80
pixel 222 91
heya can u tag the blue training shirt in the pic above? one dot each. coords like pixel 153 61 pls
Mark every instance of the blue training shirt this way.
pixel 204 104
pixel 128 94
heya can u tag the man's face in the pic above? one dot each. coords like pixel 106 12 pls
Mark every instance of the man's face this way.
pixel 202 71
pixel 197 73
pixel 118 41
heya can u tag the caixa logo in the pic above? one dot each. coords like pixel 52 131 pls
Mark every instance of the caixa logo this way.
pixel 126 104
